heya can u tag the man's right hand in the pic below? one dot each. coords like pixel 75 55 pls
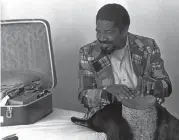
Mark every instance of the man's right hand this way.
pixel 120 91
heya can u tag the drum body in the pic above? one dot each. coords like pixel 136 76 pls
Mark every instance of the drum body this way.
pixel 141 115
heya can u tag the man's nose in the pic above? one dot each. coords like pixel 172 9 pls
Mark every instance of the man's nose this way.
pixel 102 38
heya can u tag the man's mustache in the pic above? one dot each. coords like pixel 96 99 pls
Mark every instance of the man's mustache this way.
pixel 105 42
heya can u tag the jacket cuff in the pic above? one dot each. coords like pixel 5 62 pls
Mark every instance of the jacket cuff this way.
pixel 106 95
pixel 167 89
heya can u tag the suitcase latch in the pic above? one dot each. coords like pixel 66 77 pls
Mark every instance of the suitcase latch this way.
pixel 9 112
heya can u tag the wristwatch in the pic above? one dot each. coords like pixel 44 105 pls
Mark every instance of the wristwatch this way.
pixel 105 87
pixel 106 94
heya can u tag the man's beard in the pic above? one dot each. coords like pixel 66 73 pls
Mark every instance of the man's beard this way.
pixel 108 51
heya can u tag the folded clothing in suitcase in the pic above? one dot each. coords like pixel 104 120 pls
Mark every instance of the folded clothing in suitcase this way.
pixel 27 71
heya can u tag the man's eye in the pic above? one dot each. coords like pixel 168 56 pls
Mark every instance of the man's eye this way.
pixel 98 33
pixel 108 33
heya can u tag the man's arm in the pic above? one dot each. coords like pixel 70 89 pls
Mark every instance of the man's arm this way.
pixel 158 72
pixel 89 94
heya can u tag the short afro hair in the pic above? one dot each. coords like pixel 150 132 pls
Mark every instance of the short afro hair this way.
pixel 115 13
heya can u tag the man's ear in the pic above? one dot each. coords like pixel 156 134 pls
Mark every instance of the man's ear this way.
pixel 124 31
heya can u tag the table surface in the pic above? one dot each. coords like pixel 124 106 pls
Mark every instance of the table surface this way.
pixel 56 126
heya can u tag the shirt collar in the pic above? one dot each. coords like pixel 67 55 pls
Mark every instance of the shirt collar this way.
pixel 119 54
pixel 127 41
pixel 127 44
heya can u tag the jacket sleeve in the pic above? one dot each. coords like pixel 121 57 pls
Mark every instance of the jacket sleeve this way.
pixel 89 95
pixel 158 71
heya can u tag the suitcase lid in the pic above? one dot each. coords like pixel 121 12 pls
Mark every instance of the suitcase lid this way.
pixel 27 53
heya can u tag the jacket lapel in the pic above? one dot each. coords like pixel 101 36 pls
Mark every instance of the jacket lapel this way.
pixel 138 54
pixel 102 66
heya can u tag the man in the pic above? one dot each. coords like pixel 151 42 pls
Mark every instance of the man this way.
pixel 116 62
pixel 119 65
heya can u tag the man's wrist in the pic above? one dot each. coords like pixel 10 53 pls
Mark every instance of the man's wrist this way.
pixel 105 88
pixel 105 94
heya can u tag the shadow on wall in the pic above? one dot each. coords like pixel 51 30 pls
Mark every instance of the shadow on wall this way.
pixel 159 20
pixel 66 61
pixel 168 30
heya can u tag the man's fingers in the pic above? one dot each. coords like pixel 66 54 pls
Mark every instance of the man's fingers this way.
pixel 119 97
pixel 124 93
pixel 135 92
pixel 120 91
pixel 121 94
pixel 148 87
pixel 143 88
pixel 128 92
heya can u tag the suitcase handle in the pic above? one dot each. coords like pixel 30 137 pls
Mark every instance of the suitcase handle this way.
pixel 11 137
pixel 9 112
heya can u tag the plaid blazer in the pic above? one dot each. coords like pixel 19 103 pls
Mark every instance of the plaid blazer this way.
pixel 95 70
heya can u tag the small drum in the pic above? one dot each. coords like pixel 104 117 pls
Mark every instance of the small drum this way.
pixel 141 115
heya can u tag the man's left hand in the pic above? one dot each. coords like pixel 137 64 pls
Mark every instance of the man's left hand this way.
pixel 157 90
pixel 149 85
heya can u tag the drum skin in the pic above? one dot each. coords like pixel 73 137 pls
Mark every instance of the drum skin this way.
pixel 140 103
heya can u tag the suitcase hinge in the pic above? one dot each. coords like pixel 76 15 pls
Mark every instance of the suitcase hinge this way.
pixel 9 112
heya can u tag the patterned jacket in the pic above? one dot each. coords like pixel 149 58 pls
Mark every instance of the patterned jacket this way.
pixel 95 70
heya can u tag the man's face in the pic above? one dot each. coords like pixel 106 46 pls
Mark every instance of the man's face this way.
pixel 108 36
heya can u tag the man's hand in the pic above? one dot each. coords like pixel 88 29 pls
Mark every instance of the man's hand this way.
pixel 157 89
pixel 148 85
pixel 120 91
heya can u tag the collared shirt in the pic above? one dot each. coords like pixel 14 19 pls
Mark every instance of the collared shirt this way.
pixel 122 67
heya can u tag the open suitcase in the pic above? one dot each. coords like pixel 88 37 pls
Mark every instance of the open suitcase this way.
pixel 27 57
